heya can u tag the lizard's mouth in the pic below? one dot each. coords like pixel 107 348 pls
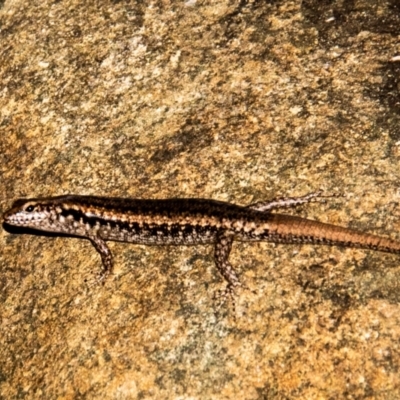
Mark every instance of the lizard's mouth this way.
pixel 18 218
pixel 14 219
pixel 9 217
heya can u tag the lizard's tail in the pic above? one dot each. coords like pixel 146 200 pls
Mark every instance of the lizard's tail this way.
pixel 291 229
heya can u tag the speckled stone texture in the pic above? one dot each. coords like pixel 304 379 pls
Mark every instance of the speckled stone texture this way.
pixel 235 100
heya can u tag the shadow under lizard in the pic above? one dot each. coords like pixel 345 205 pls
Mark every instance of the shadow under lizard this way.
pixel 184 222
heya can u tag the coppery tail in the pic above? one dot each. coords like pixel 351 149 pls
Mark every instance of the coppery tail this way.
pixel 291 229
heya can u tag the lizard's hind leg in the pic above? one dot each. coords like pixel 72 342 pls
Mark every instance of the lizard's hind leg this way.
pixel 223 246
pixel 286 202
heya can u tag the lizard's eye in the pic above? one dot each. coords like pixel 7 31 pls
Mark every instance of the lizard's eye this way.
pixel 29 208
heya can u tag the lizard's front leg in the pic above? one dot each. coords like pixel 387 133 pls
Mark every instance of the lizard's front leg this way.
pixel 106 257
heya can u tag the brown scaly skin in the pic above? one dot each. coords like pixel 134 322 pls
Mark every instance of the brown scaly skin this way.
pixel 184 222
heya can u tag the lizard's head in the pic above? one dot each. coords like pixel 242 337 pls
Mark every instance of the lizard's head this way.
pixel 30 213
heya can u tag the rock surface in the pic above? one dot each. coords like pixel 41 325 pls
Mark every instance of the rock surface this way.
pixel 232 100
